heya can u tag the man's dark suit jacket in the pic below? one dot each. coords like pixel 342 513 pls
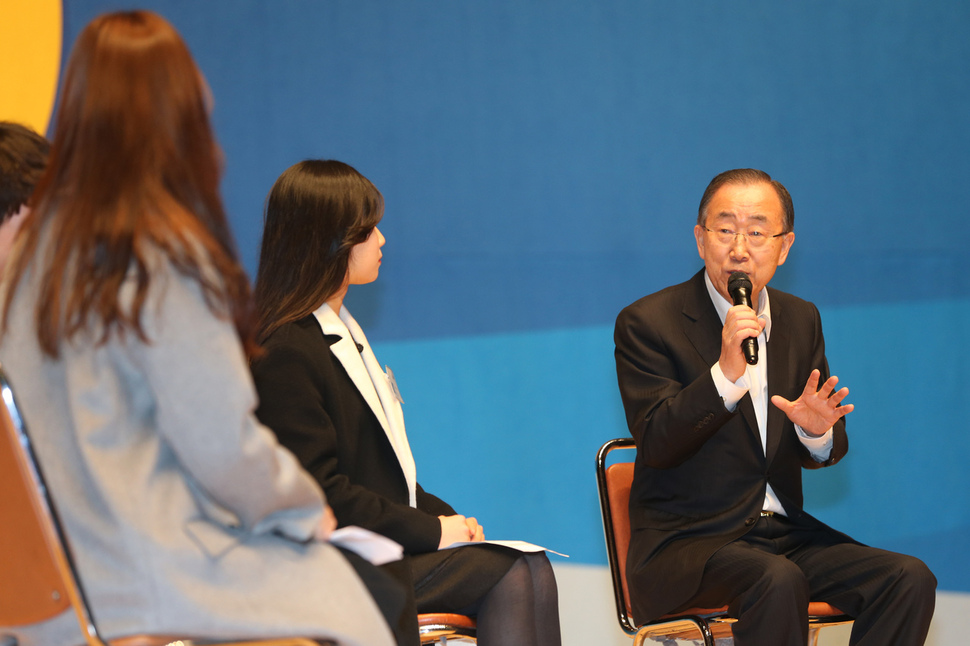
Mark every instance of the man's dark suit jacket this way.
pixel 701 473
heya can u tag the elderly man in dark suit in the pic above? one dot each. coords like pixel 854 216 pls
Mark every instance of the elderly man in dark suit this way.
pixel 716 505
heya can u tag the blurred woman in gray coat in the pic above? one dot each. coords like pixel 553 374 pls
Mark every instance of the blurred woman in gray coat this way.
pixel 126 325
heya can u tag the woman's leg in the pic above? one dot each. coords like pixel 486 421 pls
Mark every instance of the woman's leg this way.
pixel 512 595
pixel 523 607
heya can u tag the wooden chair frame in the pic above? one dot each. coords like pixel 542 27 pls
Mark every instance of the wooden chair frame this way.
pixel 47 575
pixel 706 624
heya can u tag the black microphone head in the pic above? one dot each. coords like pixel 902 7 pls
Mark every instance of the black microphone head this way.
pixel 739 280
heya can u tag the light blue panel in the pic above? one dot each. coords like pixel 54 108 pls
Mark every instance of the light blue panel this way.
pixel 905 483
pixel 505 427
pixel 906 367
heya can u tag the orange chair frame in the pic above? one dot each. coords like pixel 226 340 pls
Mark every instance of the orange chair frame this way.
pixel 706 624
pixel 443 627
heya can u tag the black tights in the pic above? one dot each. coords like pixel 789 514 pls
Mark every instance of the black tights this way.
pixel 522 609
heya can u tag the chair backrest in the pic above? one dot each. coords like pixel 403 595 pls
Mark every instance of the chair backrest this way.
pixel 614 483
pixel 37 579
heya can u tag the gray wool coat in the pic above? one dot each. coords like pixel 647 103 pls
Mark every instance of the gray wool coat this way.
pixel 184 513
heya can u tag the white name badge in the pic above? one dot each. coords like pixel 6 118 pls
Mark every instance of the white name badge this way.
pixel 392 382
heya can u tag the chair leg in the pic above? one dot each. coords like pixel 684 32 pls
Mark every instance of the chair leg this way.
pixel 683 628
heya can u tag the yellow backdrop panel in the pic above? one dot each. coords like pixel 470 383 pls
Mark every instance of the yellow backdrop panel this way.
pixel 30 48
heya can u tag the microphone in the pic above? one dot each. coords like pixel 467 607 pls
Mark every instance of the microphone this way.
pixel 739 287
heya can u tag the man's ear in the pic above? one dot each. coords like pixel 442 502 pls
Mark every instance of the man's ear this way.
pixel 786 242
pixel 700 238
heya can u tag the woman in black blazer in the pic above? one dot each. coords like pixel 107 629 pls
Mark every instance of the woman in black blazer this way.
pixel 324 393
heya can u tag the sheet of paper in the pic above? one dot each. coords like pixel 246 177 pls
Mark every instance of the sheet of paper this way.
pixel 522 546
pixel 375 548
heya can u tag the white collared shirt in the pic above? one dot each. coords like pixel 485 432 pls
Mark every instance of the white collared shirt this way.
pixel 755 381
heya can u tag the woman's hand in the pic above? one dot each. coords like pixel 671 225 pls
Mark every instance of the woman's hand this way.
pixel 328 523
pixel 476 530
pixel 458 529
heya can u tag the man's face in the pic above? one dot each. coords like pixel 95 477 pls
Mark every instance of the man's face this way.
pixel 743 208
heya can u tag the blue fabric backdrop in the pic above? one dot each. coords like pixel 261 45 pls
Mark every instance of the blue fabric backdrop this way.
pixel 542 164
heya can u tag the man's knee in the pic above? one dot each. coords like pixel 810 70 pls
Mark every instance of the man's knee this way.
pixel 915 577
pixel 775 607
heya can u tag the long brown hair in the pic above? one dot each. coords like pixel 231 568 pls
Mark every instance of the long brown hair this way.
pixel 134 165
pixel 316 212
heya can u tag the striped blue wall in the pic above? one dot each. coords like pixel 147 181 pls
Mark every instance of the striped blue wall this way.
pixel 542 162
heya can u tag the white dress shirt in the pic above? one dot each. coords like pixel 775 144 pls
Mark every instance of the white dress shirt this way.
pixel 755 381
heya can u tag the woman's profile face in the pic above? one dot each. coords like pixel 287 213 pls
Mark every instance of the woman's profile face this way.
pixel 365 259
